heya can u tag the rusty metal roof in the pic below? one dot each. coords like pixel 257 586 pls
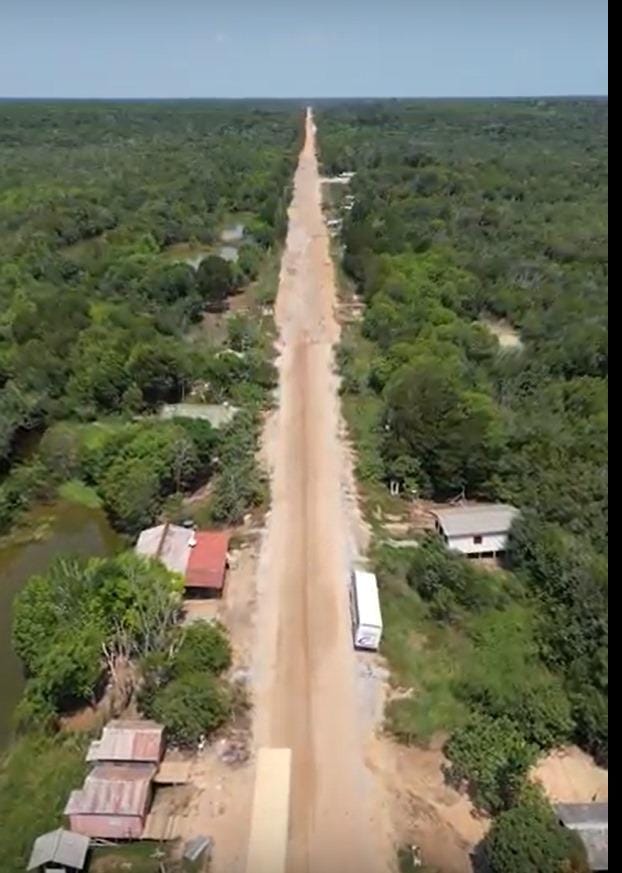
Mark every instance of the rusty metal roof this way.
pixel 208 560
pixel 111 789
pixel 136 740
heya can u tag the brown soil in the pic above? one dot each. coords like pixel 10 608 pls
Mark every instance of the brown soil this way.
pixel 571 776
pixel 307 682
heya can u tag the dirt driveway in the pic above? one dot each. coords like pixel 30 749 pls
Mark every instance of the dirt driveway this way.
pixel 307 696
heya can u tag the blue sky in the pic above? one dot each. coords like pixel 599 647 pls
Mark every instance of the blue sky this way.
pixel 289 48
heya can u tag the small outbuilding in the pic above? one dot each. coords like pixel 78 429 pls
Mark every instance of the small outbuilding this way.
pixel 128 742
pixel 590 821
pixel 113 802
pixel 478 531
pixel 59 850
pixel 200 556
pixel 207 564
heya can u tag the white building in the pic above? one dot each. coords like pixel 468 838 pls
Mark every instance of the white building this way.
pixel 479 531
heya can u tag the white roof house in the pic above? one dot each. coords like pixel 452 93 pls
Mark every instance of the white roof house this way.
pixel 480 530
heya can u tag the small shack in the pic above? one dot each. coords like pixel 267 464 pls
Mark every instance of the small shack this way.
pixel 128 742
pixel 113 802
pixel 477 531
pixel 590 821
pixel 200 556
pixel 59 850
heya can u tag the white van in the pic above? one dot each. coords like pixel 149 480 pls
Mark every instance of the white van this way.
pixel 365 606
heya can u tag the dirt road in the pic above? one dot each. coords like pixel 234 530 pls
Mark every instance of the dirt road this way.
pixel 307 694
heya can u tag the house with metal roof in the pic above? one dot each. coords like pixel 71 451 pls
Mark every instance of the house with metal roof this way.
pixel 480 530
pixel 590 821
pixel 128 742
pixel 59 850
pixel 113 802
pixel 200 556
pixel 207 563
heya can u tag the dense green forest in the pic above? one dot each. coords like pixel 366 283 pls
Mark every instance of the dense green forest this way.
pixel 101 205
pixel 462 216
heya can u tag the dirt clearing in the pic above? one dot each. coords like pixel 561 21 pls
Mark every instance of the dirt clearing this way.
pixel 570 776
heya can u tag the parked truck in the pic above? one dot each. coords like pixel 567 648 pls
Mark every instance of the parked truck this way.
pixel 365 607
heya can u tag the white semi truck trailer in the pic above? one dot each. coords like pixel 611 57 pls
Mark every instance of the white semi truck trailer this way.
pixel 365 606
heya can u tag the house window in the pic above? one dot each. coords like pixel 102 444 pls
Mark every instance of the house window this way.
pixel 478 539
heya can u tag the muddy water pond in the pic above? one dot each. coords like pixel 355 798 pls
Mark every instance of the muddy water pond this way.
pixel 62 529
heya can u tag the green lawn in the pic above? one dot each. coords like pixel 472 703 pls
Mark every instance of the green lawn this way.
pixel 36 776
pixel 75 491
pixel 425 658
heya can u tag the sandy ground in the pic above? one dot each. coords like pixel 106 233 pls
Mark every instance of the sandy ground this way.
pixel 508 337
pixel 308 680
pixel 218 804
pixel 571 776
pixel 426 811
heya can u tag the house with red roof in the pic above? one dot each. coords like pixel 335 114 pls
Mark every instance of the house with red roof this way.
pixel 200 556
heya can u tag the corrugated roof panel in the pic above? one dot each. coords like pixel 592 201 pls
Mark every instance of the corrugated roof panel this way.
pixel 59 847
pixel 139 741
pixel 473 520
pixel 113 790
pixel 170 544
pixel 208 560
pixel 578 814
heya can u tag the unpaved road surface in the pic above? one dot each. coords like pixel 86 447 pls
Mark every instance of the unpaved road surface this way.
pixel 307 689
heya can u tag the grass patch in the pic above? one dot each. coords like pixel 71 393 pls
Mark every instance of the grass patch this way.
pixel 264 288
pixel 75 491
pixel 423 656
pixel 36 776
pixel 140 857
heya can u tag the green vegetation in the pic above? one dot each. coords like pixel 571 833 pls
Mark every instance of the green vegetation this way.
pixel 76 491
pixel 81 620
pixel 238 485
pixel 96 314
pixel 204 646
pixel 529 839
pixel 114 300
pixel 36 776
pixel 493 757
pixel 464 212
pixel 191 706
pixel 182 689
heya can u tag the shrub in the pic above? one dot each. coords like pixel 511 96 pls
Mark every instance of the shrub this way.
pixel 492 757
pixel 204 647
pixel 529 839
pixel 189 707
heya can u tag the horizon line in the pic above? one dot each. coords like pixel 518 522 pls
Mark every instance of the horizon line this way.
pixel 112 98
